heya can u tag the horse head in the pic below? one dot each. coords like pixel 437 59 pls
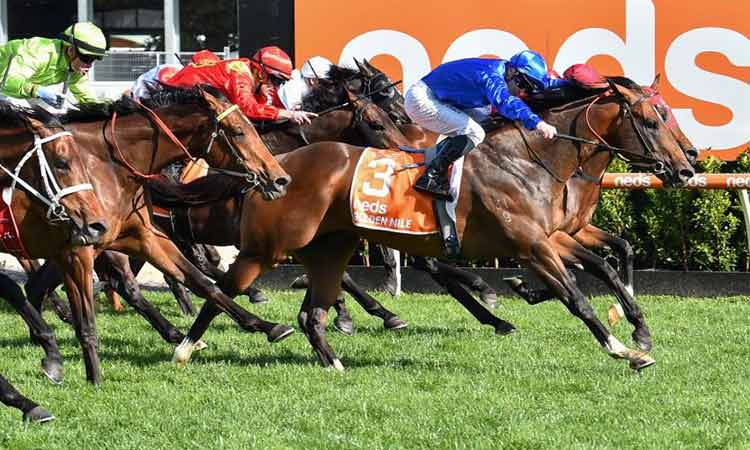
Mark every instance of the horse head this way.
pixel 240 141
pixel 373 124
pixel 645 139
pixel 62 184
pixel 663 109
pixel 376 84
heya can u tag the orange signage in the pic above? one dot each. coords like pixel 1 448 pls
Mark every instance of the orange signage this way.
pixel 700 47
pixel 634 181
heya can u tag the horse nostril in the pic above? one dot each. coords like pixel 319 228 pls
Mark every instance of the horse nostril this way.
pixel 686 174
pixel 282 181
pixel 97 229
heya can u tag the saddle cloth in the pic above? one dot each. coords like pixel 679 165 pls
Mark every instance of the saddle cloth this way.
pixel 10 237
pixel 383 197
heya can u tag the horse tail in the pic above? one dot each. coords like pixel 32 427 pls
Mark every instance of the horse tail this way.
pixel 202 191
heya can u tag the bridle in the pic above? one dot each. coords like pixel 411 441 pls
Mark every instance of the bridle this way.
pixel 252 178
pixel 56 211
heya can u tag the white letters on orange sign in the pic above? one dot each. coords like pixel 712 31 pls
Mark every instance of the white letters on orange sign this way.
pixel 636 54
pixel 687 77
pixel 484 42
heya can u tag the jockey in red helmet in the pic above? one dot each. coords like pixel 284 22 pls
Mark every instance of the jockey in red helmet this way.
pixel 250 83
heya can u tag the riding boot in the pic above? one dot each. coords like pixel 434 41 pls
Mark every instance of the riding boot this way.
pixel 435 181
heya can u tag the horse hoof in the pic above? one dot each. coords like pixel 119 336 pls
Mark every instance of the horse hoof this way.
pixel 200 345
pixel 513 282
pixel 614 314
pixel 258 298
pixel 345 327
pixel 394 323
pixel 639 361
pixel 279 332
pixel 53 369
pixel 183 352
pixel 488 297
pixel 38 415
pixel 390 287
pixel 337 365
pixel 301 282
pixel 504 329
pixel 642 340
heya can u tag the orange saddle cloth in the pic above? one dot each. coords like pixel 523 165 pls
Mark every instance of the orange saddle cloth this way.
pixel 383 196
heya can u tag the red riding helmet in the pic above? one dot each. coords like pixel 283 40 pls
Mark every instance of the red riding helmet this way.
pixel 274 61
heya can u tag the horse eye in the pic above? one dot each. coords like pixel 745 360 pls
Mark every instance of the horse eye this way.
pixel 61 164
pixel 650 123
pixel 375 126
pixel 663 113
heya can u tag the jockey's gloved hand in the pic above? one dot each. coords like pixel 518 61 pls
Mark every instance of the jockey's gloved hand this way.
pixel 547 130
pixel 298 117
pixel 49 96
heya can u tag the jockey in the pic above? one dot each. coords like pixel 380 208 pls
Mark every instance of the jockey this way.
pixel 30 66
pixel 250 83
pixel 293 91
pixel 142 85
pixel 457 95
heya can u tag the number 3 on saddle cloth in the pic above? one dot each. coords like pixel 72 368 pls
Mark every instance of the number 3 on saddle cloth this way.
pixel 10 237
pixel 383 196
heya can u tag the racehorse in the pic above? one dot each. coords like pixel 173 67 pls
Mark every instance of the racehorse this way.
pixel 513 186
pixel 55 201
pixel 213 129
pixel 577 236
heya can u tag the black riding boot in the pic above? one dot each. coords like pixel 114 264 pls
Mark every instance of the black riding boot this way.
pixel 435 180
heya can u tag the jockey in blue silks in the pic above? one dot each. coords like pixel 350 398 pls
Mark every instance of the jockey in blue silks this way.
pixel 457 95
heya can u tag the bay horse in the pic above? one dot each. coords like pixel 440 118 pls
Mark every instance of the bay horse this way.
pixel 513 185
pixel 577 236
pixel 211 128
pixel 56 201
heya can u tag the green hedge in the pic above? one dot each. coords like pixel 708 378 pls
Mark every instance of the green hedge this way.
pixel 680 229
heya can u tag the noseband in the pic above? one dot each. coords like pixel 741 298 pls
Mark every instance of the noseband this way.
pixel 56 212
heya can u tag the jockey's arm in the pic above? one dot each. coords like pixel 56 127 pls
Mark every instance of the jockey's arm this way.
pixel 241 88
pixel 81 89
pixel 507 105
pixel 23 66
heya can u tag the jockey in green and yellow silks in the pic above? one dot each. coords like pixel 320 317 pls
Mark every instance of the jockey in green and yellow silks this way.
pixel 30 66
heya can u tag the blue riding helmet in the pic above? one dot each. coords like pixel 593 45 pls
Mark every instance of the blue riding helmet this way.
pixel 531 64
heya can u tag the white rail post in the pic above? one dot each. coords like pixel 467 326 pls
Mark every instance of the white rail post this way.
pixel 3 21
pixel 171 30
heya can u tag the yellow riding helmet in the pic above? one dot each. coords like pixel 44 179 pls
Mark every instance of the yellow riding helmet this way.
pixel 86 38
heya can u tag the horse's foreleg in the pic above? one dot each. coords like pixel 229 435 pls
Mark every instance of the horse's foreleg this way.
pixel 391 321
pixel 41 282
pixel 78 269
pixel 592 237
pixel 123 281
pixel 182 295
pixel 40 331
pixel 546 263
pixel 32 412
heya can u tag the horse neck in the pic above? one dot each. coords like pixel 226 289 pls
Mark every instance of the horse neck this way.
pixel 16 142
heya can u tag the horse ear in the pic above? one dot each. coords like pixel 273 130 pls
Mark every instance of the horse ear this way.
pixel 655 84
pixel 212 101
pixel 369 69
pixel 34 126
pixel 359 66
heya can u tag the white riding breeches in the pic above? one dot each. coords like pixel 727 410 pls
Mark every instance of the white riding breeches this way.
pixel 427 111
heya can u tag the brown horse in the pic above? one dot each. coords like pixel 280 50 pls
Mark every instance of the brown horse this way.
pixel 213 129
pixel 513 185
pixel 55 201
pixel 577 236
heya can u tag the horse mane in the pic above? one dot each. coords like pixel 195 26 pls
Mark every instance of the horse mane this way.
pixel 162 96
pixel 209 189
pixel 17 116
pixel 329 91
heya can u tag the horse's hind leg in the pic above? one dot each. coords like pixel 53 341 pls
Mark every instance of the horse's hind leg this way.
pixel 32 412
pixel 391 321
pixel 592 237
pixel 40 331
pixel 58 305
pixel 460 293
pixel 546 263
pixel 325 260
pixel 472 280
pixel 42 281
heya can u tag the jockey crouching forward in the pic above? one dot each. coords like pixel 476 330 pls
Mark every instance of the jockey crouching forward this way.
pixel 456 96
pixel 252 84
pixel 31 66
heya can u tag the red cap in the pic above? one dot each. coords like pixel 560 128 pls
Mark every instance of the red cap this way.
pixel 275 61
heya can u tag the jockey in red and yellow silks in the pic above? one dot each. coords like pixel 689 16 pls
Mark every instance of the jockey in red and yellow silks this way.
pixel 247 83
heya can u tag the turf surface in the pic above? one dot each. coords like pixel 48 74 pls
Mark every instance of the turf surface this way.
pixel 445 382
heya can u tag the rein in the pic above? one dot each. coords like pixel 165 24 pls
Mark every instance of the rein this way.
pixel 55 210
pixel 358 98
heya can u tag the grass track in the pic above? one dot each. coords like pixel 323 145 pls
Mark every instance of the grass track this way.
pixel 445 382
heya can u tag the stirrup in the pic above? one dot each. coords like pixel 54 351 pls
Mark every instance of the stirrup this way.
pixel 433 187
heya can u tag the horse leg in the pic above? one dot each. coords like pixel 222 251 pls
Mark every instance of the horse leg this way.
pixel 182 295
pixel 213 256
pixel 546 263
pixel 486 294
pixel 43 280
pixel 32 412
pixel 58 305
pixel 78 270
pixel 325 260
pixel 598 267
pixel 123 281
pixel 391 321
pixel 592 237
pixel 460 293
pixel 343 321
pixel 40 331
pixel 391 284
